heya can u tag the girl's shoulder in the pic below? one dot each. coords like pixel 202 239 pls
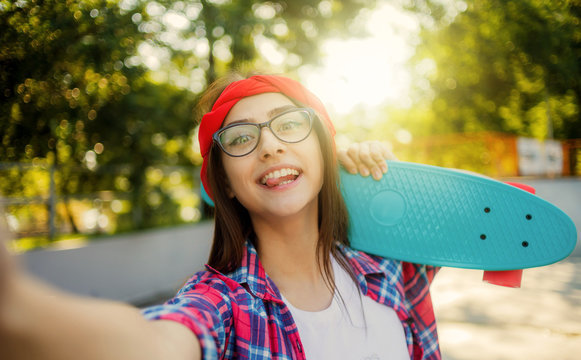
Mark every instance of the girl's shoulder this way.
pixel 211 279
pixel 370 263
pixel 367 262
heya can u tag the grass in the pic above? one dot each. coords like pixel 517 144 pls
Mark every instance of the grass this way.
pixel 35 242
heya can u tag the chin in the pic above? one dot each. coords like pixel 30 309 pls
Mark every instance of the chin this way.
pixel 286 208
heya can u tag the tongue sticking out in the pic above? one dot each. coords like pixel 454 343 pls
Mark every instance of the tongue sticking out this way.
pixel 272 182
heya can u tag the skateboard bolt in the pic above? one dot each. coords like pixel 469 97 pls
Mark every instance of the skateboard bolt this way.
pixel 483 237
pixel 529 216
pixel 525 244
pixel 487 210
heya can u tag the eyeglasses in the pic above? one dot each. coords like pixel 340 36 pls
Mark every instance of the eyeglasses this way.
pixel 240 139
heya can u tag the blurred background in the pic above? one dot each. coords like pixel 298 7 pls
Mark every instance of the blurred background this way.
pixel 97 121
pixel 96 116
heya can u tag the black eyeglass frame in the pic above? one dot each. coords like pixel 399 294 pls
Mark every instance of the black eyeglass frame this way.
pixel 310 112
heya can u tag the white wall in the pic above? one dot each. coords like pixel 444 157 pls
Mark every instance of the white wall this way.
pixel 565 193
pixel 135 267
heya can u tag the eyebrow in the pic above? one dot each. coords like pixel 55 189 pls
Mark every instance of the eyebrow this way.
pixel 272 113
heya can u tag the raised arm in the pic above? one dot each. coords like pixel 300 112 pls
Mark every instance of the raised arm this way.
pixel 38 321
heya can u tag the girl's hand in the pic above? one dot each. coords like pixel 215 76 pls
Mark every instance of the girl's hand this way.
pixel 367 158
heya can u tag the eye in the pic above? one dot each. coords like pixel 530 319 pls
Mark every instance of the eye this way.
pixel 238 135
pixel 239 140
pixel 290 123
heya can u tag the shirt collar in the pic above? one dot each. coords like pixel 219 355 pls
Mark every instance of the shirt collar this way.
pixel 378 278
pixel 363 265
pixel 251 274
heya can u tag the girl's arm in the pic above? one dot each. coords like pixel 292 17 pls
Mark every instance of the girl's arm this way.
pixel 41 322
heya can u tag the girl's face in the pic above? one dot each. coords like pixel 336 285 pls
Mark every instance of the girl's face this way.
pixel 277 179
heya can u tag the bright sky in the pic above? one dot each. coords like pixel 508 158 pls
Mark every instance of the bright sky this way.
pixel 367 71
pixel 355 71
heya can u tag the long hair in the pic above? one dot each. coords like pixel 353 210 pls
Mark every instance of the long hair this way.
pixel 232 225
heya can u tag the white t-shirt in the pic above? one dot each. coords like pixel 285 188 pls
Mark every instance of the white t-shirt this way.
pixel 367 331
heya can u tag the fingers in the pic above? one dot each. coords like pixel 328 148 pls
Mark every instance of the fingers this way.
pixel 346 161
pixel 355 153
pixel 386 152
pixel 367 158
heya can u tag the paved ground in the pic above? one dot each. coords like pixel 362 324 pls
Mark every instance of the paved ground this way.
pixel 541 320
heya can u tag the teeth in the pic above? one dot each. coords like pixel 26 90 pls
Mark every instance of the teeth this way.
pixel 280 173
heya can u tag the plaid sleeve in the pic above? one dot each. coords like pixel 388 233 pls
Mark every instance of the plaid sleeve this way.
pixel 417 280
pixel 205 308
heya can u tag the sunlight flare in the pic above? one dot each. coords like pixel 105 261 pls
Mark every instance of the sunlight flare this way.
pixel 367 71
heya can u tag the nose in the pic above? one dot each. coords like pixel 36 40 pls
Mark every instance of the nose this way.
pixel 269 144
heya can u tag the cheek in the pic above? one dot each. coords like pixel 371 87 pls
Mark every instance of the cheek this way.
pixel 236 174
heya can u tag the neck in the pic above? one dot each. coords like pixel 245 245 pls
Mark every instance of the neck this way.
pixel 287 245
pixel 288 252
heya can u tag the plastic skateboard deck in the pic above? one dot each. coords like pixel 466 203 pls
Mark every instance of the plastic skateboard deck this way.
pixel 443 217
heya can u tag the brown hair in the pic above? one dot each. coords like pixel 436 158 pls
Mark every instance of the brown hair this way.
pixel 232 225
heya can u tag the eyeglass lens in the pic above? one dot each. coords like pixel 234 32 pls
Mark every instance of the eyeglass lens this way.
pixel 241 139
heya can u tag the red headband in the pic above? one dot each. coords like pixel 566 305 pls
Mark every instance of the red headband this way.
pixel 236 91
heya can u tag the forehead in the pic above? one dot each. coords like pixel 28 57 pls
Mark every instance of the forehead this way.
pixel 256 107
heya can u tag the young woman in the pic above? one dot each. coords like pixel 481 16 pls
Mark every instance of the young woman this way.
pixel 282 282
pixel 280 260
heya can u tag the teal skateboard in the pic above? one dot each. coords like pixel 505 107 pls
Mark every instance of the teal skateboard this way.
pixel 443 217
pixel 437 216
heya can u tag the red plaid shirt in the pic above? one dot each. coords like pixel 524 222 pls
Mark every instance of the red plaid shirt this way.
pixel 242 315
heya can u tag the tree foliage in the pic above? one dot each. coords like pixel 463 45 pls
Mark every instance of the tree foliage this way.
pixel 509 66
pixel 105 89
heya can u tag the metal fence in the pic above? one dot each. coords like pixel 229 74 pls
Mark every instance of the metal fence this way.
pixel 496 154
pixel 40 200
pixel 39 203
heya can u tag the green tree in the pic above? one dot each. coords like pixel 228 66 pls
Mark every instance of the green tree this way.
pixel 219 35
pixel 104 89
pixel 511 66
pixel 72 94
